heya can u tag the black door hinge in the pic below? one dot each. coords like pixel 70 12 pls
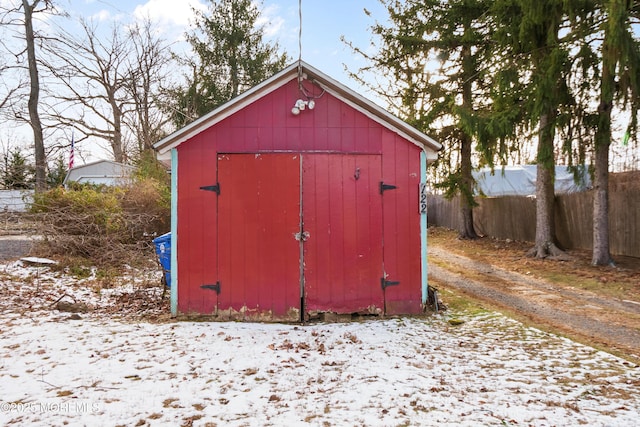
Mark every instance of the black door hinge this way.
pixel 386 283
pixel 215 287
pixel 215 188
pixel 384 187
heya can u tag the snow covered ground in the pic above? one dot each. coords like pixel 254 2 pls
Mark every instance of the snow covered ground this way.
pixel 108 367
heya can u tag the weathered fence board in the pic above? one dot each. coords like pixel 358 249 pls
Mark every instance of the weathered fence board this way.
pixel 506 217
pixel 624 223
pixel 574 220
pixel 513 217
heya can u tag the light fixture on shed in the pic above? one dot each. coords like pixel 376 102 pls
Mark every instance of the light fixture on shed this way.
pixel 301 105
pixel 310 103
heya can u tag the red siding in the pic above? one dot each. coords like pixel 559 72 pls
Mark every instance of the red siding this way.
pixel 197 210
pixel 342 263
pixel 259 214
pixel 268 125
pixel 401 167
pixel 343 216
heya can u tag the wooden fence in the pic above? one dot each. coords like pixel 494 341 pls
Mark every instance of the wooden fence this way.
pixel 514 217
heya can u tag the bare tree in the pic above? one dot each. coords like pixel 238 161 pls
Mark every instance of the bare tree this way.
pixel 147 71
pixel 34 93
pixel 7 91
pixel 106 87
pixel 21 15
pixel 93 75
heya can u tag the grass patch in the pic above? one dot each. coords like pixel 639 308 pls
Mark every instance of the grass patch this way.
pixel 457 303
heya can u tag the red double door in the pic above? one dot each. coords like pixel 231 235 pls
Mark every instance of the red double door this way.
pixel 299 233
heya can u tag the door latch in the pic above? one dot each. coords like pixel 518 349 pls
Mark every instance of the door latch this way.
pixel 304 236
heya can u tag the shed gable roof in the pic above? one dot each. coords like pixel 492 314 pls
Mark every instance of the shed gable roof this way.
pixel 325 82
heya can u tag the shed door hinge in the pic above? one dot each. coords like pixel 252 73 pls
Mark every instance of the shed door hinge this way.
pixel 384 187
pixel 215 188
pixel 386 283
pixel 215 287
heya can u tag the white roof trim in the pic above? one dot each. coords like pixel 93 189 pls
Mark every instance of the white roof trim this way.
pixel 335 88
pixel 124 166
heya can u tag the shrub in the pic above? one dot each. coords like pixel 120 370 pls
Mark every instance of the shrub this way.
pixel 106 225
pixel 80 210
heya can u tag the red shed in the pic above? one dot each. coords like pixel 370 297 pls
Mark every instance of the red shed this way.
pixel 298 197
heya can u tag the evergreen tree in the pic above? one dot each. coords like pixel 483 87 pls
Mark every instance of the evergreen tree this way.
pixel 530 32
pixel 57 173
pixel 17 173
pixel 231 56
pixel 619 81
pixel 420 38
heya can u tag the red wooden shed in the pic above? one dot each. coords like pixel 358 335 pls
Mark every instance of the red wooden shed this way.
pixel 296 198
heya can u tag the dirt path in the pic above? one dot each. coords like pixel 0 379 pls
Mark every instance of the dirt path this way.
pixel 14 247
pixel 611 323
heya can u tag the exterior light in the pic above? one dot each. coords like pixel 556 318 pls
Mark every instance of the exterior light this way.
pixel 301 105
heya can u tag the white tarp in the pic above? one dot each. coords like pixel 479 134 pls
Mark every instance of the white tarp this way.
pixel 521 181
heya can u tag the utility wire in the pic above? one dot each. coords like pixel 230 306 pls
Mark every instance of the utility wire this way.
pixel 300 45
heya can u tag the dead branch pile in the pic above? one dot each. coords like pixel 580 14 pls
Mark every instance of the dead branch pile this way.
pixel 17 223
pixel 107 225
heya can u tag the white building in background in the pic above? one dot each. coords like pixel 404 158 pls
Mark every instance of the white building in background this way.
pixel 15 200
pixel 101 172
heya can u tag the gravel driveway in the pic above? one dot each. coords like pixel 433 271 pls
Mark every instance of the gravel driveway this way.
pixel 577 313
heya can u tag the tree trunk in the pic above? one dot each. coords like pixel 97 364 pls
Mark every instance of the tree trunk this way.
pixel 545 195
pixel 34 95
pixel 467 202
pixel 467 230
pixel 601 254
pixel 466 214
pixel 116 142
